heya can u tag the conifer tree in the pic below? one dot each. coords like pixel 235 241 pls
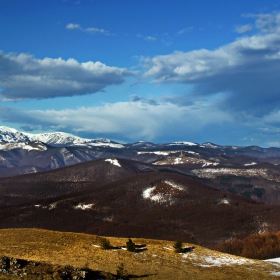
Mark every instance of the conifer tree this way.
pixel 130 246
pixel 178 247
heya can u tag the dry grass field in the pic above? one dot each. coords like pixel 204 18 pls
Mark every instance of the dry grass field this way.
pixel 157 260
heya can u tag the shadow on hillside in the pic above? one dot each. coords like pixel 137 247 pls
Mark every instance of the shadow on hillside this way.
pixel 94 275
pixel 138 248
pixel 132 276
pixel 188 249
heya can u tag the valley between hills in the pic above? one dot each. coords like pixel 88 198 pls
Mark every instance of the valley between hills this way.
pixel 60 192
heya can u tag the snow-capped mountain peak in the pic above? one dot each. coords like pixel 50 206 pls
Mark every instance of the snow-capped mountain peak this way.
pixel 10 135
pixel 183 143
pixel 58 139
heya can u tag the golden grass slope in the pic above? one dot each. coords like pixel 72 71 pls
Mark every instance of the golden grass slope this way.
pixel 159 261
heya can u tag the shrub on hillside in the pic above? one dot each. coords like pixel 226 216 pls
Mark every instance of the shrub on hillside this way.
pixel 104 243
pixel 122 273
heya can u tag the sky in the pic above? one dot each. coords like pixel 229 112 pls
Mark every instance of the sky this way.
pixel 138 70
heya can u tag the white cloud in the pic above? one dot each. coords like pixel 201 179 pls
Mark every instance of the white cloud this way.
pixel 73 26
pixel 150 38
pixel 25 77
pixel 91 30
pixel 96 30
pixel 147 38
pixel 246 71
pixel 243 28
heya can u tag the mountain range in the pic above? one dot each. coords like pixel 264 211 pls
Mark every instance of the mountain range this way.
pixel 198 193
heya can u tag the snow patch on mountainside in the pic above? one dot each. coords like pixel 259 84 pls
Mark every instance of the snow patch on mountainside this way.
pixel 183 143
pixel 210 258
pixel 113 161
pixel 191 152
pixel 277 260
pixel 159 197
pixel 209 163
pixel 185 160
pixel 222 201
pixel 209 261
pixel 249 164
pixel 214 172
pixel 105 144
pixel 53 205
pixel 23 145
pixel 174 185
pixel 162 193
pixel 83 206
pixel 167 153
pixel 209 145
pixel 160 153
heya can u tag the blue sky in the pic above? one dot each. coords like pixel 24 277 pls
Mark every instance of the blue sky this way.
pixel 133 70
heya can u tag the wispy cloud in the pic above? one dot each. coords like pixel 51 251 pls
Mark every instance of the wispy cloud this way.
pixel 147 38
pixel 25 77
pixel 188 29
pixel 150 38
pixel 243 28
pixel 88 30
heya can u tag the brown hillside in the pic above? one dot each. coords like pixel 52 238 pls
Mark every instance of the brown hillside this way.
pixel 149 205
pixel 24 188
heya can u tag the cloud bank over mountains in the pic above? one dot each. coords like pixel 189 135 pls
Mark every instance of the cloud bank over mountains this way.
pixel 121 120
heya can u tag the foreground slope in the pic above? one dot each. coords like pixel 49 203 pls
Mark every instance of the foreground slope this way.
pixel 157 261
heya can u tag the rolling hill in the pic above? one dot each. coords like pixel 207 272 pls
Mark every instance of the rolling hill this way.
pixel 148 205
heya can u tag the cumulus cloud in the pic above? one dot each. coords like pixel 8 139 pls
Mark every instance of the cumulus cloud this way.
pixel 88 30
pixel 243 28
pixel 73 26
pixel 25 77
pixel 245 72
